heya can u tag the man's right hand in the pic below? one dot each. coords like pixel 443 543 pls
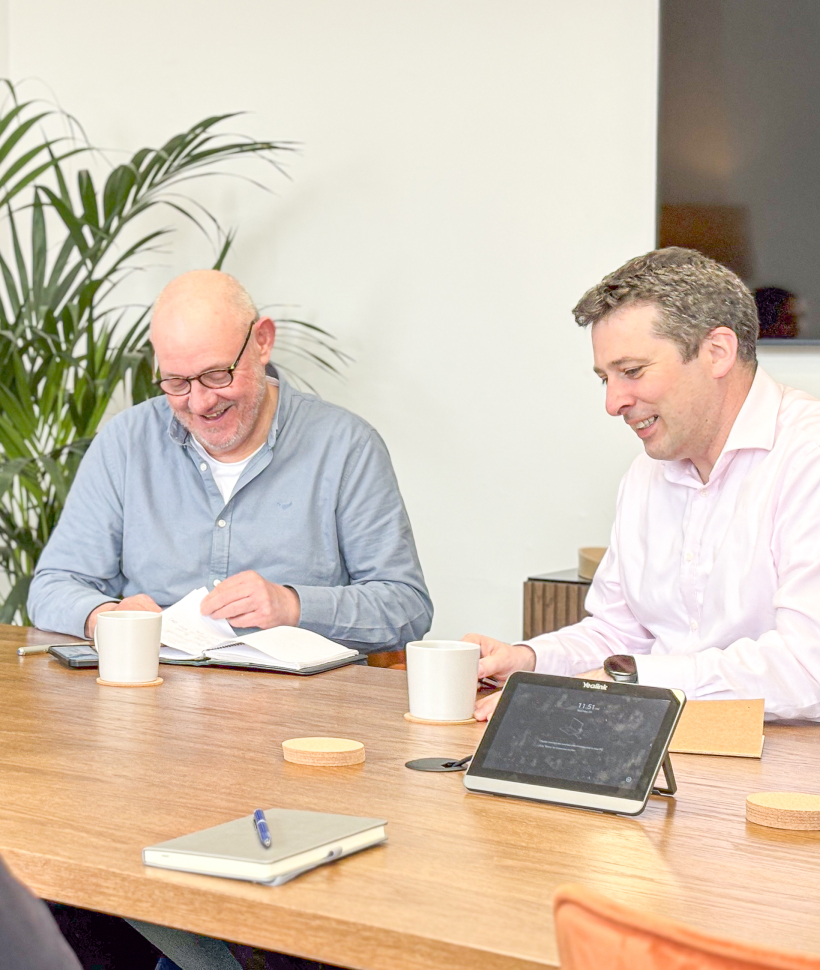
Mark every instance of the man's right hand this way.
pixel 140 602
pixel 499 659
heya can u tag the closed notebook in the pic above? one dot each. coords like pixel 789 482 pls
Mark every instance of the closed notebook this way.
pixel 299 841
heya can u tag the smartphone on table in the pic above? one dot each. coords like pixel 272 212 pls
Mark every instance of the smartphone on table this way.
pixel 75 655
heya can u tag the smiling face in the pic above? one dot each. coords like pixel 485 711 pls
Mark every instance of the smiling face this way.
pixel 678 410
pixel 196 327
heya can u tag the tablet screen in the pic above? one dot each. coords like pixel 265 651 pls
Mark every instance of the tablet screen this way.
pixel 566 733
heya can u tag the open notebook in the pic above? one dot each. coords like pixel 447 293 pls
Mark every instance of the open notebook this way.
pixel 188 637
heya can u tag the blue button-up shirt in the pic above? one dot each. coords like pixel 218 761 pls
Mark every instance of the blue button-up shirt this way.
pixel 317 509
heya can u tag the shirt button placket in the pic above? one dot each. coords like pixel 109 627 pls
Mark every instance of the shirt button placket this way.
pixel 219 550
pixel 691 541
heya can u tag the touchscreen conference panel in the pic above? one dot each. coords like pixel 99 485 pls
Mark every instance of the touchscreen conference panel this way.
pixel 573 736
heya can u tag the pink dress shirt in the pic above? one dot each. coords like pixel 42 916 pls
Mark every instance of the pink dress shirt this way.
pixel 715 588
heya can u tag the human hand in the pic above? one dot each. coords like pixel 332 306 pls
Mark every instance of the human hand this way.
pixel 499 659
pixel 485 706
pixel 247 599
pixel 599 674
pixel 141 602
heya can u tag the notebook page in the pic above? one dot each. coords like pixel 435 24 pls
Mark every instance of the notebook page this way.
pixel 283 646
pixel 241 653
pixel 186 633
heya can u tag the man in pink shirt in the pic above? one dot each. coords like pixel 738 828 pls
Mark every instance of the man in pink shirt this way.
pixel 712 579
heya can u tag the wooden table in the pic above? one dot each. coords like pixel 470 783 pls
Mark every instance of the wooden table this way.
pixel 90 775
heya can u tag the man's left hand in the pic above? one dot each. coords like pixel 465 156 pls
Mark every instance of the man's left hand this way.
pixel 599 674
pixel 247 599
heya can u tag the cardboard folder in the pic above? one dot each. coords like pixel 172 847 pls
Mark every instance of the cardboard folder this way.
pixel 733 728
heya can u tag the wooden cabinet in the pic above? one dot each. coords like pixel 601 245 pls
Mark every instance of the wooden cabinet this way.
pixel 553 600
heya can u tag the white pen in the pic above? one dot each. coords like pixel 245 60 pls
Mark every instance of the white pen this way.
pixel 43 648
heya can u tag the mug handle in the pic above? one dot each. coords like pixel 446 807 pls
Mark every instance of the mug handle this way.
pixel 96 649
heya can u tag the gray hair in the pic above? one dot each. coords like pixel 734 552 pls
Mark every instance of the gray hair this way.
pixel 692 293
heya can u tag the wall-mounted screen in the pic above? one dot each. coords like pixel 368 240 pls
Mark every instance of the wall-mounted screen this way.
pixel 739 149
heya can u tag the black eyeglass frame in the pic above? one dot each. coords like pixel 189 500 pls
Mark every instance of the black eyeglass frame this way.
pixel 215 370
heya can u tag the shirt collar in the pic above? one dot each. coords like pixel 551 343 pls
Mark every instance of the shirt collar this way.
pixel 754 427
pixel 756 422
pixel 179 434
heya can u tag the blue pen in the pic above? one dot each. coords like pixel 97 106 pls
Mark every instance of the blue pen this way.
pixel 262 829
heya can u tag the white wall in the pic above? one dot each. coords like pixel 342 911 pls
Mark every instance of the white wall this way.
pixel 4 38
pixel 797 367
pixel 469 168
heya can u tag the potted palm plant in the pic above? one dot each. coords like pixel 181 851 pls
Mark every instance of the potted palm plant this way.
pixel 69 344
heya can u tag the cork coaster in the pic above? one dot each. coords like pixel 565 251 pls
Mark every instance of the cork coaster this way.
pixel 784 810
pixel 116 683
pixel 323 751
pixel 423 720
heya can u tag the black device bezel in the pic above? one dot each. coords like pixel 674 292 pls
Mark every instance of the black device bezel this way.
pixel 638 792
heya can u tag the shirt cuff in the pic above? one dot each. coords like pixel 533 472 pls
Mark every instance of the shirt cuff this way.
pixel 548 659
pixel 81 608
pixel 317 608
pixel 673 671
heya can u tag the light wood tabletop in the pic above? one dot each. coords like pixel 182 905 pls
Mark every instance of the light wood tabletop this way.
pixel 90 775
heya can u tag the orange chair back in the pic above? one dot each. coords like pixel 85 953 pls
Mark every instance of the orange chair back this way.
pixel 595 933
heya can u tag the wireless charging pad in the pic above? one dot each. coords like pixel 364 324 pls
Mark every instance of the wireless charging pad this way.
pixel 438 764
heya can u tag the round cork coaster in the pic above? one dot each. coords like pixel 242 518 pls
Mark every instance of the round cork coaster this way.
pixel 423 720
pixel 116 683
pixel 784 810
pixel 323 751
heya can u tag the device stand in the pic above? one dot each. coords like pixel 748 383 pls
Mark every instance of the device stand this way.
pixel 669 775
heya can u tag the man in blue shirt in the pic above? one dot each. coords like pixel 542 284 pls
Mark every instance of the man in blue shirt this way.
pixel 284 506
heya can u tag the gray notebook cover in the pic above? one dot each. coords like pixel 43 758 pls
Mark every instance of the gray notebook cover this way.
pixel 292 833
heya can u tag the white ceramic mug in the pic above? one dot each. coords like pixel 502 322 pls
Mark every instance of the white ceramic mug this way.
pixel 127 642
pixel 442 679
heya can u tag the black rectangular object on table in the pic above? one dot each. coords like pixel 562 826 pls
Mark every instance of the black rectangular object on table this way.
pixel 587 744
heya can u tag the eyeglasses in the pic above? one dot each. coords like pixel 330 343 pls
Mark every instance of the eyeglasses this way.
pixel 220 377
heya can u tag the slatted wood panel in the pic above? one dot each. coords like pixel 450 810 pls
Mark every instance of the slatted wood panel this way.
pixel 90 775
pixel 550 605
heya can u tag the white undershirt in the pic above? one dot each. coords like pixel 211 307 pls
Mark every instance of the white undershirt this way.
pixel 226 473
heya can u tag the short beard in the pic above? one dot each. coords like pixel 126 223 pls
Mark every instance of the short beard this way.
pixel 244 427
